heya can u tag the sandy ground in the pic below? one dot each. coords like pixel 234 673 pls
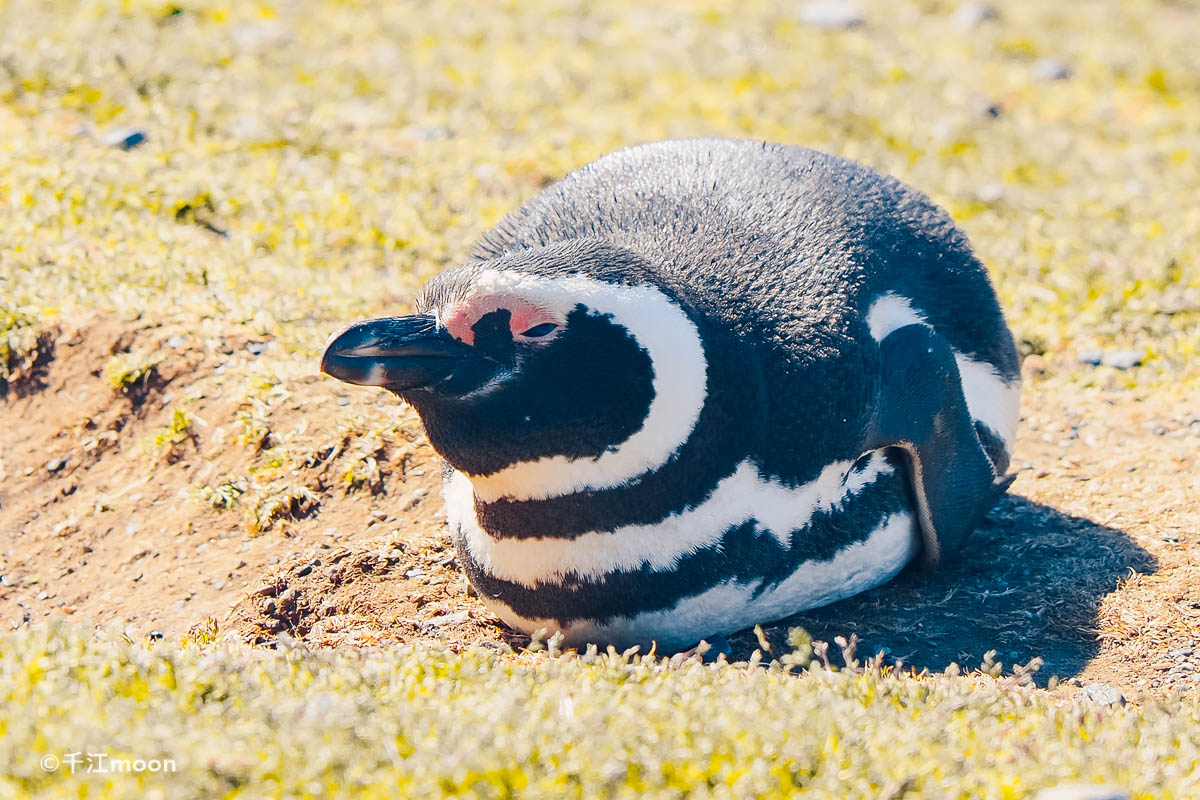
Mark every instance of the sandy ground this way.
pixel 1090 563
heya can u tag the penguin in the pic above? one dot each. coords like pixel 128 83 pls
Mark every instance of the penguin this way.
pixel 704 384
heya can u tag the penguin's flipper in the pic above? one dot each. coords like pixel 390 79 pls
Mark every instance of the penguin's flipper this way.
pixel 922 411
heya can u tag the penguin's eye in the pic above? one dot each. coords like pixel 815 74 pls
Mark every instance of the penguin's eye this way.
pixel 538 331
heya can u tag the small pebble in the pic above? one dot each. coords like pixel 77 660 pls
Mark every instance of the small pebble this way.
pixel 175 342
pixel 831 15
pixel 1093 357
pixel 343 401
pixel 1123 359
pixel 991 110
pixel 427 134
pixel 1051 69
pixel 990 193
pixel 55 464
pixel 1102 694
pixel 972 15
pixel 446 619
pixel 124 138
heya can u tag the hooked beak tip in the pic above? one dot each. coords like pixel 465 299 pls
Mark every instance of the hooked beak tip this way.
pixel 396 352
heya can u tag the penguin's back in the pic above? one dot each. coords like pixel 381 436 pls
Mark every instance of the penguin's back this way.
pixel 807 256
pixel 762 232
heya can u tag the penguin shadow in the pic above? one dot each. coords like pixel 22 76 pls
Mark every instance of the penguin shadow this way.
pixel 1029 583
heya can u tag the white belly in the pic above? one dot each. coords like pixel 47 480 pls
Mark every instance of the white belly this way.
pixel 543 564
pixel 731 606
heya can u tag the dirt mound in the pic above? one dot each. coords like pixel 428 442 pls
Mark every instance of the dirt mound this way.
pixel 395 589
pixel 125 492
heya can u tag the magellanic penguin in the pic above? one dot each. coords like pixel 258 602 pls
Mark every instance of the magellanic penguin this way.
pixel 698 385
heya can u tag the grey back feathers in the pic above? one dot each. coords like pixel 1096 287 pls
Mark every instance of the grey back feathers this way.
pixel 783 241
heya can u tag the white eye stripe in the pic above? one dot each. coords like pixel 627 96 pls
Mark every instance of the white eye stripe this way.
pixel 680 384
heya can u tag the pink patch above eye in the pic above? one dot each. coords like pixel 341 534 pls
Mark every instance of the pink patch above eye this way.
pixel 523 315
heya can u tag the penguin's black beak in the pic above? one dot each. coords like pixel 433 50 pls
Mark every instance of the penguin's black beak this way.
pixel 400 353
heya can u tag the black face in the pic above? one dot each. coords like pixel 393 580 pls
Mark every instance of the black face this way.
pixel 575 391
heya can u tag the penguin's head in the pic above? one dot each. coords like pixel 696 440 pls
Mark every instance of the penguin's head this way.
pixel 540 373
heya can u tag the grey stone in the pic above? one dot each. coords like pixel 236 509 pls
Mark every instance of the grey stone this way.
pixel 1093 357
pixel 1102 694
pixel 1052 68
pixel 124 138
pixel 831 15
pixel 1123 359
pixel 446 619
pixel 990 193
pixel 972 15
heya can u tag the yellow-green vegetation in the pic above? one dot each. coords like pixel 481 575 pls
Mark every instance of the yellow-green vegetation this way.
pixel 224 495
pixel 425 723
pixel 290 503
pixel 127 372
pixel 309 163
